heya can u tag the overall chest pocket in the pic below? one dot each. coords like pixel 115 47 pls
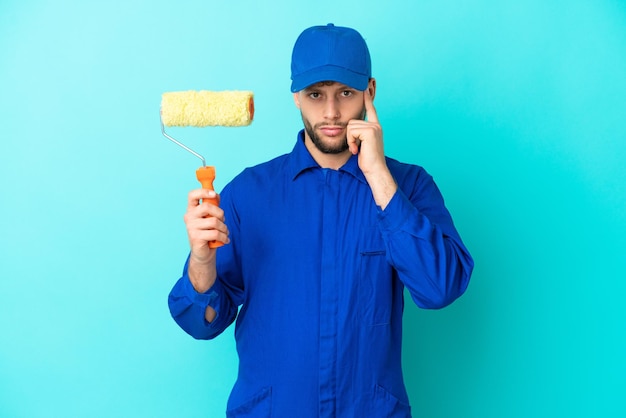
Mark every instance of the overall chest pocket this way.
pixel 375 279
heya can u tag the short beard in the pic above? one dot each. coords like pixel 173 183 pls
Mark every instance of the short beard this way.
pixel 319 144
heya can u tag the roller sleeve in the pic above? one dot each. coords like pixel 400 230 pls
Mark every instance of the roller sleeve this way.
pixel 207 108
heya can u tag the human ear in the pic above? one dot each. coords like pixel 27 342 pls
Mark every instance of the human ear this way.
pixel 371 86
pixel 296 100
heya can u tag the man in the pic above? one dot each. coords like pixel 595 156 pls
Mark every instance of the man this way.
pixel 320 244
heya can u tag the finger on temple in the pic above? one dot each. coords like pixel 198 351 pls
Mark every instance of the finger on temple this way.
pixel 370 111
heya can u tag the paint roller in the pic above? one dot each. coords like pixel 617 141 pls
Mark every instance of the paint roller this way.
pixel 201 109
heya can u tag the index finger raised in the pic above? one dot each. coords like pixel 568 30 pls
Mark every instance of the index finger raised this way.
pixel 370 110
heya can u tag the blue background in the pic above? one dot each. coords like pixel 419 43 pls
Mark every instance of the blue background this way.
pixel 516 108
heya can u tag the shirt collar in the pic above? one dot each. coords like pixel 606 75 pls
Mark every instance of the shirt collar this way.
pixel 301 160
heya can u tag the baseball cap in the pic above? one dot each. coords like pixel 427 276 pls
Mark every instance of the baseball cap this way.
pixel 330 53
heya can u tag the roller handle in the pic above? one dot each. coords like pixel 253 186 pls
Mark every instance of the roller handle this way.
pixel 205 176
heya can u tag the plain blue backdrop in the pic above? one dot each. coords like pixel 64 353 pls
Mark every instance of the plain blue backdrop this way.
pixel 516 108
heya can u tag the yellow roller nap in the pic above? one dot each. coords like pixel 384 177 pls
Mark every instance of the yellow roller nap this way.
pixel 207 108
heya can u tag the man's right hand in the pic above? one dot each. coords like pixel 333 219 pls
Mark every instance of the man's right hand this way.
pixel 205 223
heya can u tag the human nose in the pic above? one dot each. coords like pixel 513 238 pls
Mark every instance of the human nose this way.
pixel 331 109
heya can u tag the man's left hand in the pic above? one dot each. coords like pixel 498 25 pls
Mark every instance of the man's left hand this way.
pixel 365 137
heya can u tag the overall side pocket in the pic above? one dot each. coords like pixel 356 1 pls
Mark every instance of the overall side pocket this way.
pixel 258 406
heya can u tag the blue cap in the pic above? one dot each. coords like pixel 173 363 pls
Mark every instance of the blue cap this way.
pixel 330 53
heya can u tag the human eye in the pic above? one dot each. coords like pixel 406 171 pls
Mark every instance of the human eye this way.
pixel 347 93
pixel 314 95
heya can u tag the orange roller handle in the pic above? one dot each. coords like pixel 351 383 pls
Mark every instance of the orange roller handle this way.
pixel 205 176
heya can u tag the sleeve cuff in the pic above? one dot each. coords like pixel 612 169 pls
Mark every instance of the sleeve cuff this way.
pixel 395 214
pixel 401 215
pixel 208 298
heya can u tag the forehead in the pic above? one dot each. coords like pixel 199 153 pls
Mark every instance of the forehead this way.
pixel 333 84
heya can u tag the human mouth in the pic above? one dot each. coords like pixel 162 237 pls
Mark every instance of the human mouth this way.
pixel 331 130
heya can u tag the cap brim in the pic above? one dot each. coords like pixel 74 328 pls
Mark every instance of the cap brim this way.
pixel 329 73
